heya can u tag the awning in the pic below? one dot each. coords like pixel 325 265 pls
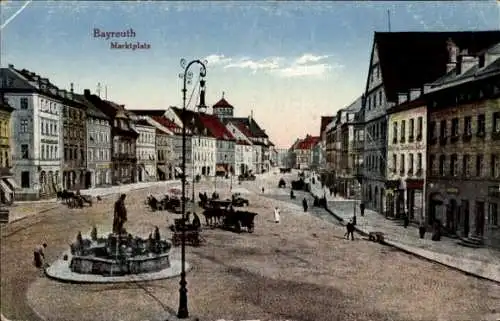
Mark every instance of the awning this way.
pixel 178 170
pixel 220 168
pixel 6 189
pixel 12 183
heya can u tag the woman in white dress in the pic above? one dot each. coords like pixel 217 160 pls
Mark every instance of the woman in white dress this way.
pixel 276 215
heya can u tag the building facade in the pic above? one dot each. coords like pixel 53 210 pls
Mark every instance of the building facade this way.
pixel 464 149
pixel 243 150
pixel 330 136
pixel 406 152
pixel 36 128
pixel 145 150
pixel 99 166
pixel 74 166
pixel 8 185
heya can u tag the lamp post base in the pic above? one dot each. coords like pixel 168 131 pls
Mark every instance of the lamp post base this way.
pixel 183 312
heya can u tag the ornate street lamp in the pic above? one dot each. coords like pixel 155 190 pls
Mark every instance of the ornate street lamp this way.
pixel 187 75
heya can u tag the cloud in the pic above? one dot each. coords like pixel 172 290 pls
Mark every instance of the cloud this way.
pixel 300 70
pixel 217 60
pixel 306 65
pixel 307 58
pixel 254 65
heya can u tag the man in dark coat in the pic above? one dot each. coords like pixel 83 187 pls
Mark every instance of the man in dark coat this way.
pixel 120 214
pixel 39 256
pixel 304 204
pixel 362 208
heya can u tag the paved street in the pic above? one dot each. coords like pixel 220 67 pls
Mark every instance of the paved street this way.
pixel 301 269
pixel 483 261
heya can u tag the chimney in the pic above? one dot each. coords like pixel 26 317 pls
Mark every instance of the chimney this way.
pixel 452 55
pixel 402 97
pixel 71 88
pixel 466 62
pixel 11 66
pixel 415 93
pixel 86 92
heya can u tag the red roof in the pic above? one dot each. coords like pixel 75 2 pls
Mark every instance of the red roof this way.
pixel 223 103
pixel 309 142
pixel 215 126
pixel 165 122
pixel 244 129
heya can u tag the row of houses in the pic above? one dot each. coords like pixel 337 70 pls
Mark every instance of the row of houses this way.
pixel 53 139
pixel 422 139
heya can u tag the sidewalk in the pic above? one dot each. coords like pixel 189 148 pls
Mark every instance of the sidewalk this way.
pixel 482 262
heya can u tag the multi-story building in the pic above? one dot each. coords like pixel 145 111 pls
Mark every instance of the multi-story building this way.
pixel 225 144
pixel 330 135
pixel 200 160
pixel 406 153
pixel 123 137
pixel 145 150
pixel 399 62
pixel 304 151
pixel 244 152
pixel 359 145
pixel 282 157
pixel 463 184
pixel 8 185
pixel 36 128
pixel 74 166
pixel 348 157
pixel 99 165
pixel 325 121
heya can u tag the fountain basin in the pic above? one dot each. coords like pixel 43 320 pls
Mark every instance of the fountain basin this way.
pixel 116 267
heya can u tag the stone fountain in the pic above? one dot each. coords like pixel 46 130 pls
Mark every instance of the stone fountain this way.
pixel 119 254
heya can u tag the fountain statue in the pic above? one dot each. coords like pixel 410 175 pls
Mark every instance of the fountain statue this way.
pixel 120 253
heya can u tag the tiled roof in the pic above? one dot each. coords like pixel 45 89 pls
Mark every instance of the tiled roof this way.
pixel 215 126
pixel 355 106
pixel 411 59
pixel 325 120
pixel 143 122
pixel 192 122
pixel 250 124
pixel 12 80
pixel 308 143
pixel 92 110
pixel 148 112
pixel 223 103
pixel 165 122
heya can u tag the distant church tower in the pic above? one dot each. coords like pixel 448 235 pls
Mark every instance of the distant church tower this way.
pixel 223 109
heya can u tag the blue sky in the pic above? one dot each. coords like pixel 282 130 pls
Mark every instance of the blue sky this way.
pixel 289 62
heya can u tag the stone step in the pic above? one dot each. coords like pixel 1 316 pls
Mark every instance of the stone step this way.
pixel 470 245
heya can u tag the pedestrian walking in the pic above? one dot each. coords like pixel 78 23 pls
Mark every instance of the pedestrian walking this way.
pixel 406 220
pixel 331 191
pixel 362 208
pixel 350 230
pixel 262 189
pixel 39 256
pixel 335 191
pixel 276 214
pixel 304 204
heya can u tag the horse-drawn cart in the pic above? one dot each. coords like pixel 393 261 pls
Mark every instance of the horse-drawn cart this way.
pixel 192 233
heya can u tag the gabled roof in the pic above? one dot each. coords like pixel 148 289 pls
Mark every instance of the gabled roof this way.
pixel 192 121
pixel 325 120
pixel 355 106
pixel 215 126
pixel 143 122
pixel 222 103
pixel 332 124
pixel 411 59
pixel 250 124
pixel 147 112
pixel 12 79
pixel 170 125
pixel 309 142
pixel 92 110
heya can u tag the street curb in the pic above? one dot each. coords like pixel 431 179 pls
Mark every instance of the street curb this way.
pixel 391 244
pixel 40 212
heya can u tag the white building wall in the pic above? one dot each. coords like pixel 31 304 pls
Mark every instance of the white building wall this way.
pixel 204 155
pixel 26 130
pixel 406 150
